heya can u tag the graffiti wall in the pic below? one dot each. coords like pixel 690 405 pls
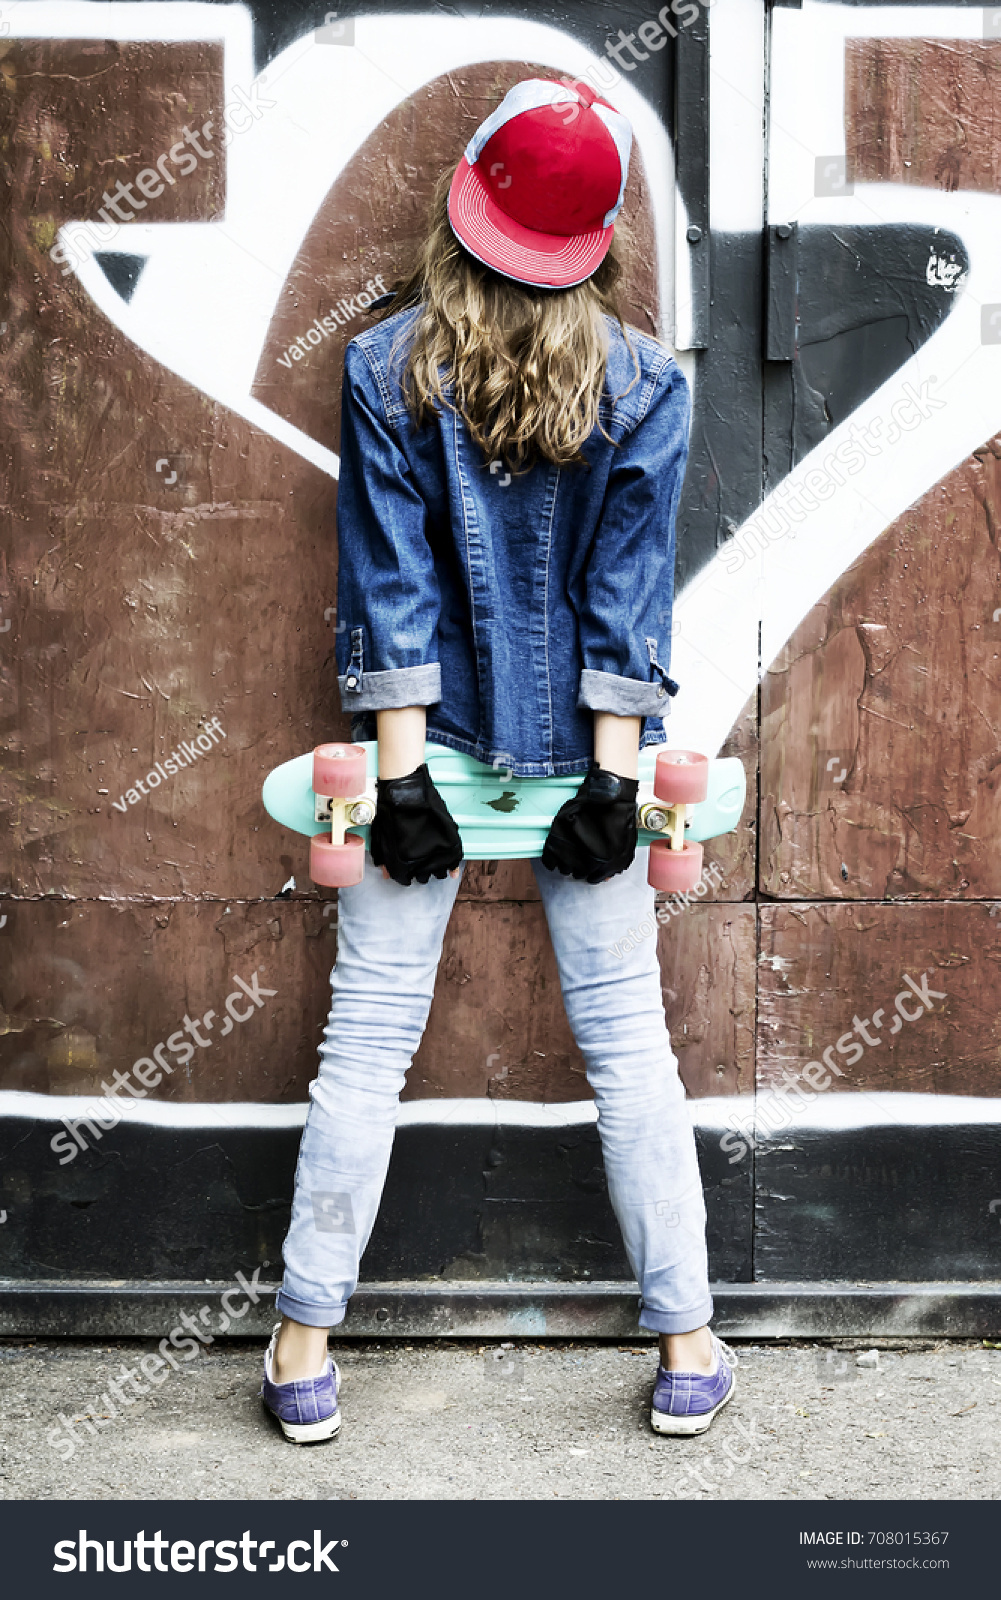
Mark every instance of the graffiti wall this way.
pixel 201 202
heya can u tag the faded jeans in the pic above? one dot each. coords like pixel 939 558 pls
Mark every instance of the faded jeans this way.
pixel 389 944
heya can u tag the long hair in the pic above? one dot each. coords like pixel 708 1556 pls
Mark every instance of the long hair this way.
pixel 525 366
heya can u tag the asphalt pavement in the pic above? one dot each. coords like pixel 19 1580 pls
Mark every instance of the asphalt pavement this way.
pixel 485 1422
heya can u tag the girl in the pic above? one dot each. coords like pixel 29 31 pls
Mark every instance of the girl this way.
pixel 511 461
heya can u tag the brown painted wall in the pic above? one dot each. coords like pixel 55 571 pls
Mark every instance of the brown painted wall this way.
pixel 89 987
pixel 895 674
pixel 139 612
pixel 850 961
pixel 924 111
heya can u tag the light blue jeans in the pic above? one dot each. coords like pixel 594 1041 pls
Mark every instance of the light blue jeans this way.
pixel 389 944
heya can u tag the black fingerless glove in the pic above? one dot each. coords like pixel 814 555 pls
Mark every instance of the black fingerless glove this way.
pixel 413 835
pixel 593 836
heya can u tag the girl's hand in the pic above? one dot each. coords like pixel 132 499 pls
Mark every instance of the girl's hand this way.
pixel 413 834
pixel 593 836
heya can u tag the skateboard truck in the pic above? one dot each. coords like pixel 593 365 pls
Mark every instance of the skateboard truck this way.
pixel 339 776
pixel 681 781
pixel 357 813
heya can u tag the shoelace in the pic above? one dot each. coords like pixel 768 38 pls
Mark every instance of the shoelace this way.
pixel 729 1356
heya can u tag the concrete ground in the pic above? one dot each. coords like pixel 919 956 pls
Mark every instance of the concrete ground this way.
pixel 461 1421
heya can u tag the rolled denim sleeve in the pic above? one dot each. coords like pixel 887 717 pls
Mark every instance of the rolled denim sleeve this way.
pixel 625 620
pixel 388 600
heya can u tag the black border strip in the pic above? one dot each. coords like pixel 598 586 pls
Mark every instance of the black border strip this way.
pixel 537 1311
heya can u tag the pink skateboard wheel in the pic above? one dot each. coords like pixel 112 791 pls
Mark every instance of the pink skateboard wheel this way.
pixel 681 777
pixel 677 871
pixel 336 866
pixel 339 770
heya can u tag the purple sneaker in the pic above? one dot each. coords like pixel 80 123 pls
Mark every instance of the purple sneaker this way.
pixel 306 1407
pixel 684 1403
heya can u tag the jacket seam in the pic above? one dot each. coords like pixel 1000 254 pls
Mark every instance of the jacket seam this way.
pixel 657 361
pixel 390 411
pixel 469 562
pixel 650 390
pixel 630 422
pixel 545 608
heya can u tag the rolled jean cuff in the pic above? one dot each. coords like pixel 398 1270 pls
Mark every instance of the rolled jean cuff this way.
pixel 677 1321
pixel 388 691
pixel 624 697
pixel 308 1312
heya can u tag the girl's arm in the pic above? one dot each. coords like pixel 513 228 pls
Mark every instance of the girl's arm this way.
pixel 617 743
pixel 625 609
pixel 401 735
pixel 387 591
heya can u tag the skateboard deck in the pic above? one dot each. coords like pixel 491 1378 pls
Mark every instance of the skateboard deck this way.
pixel 502 818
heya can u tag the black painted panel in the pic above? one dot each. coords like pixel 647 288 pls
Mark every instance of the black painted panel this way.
pixel 876 1203
pixel 780 305
pixel 723 482
pixel 864 306
pixel 880 1203
pixel 167 1203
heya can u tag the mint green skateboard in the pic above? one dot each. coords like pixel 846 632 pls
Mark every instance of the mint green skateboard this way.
pixel 329 795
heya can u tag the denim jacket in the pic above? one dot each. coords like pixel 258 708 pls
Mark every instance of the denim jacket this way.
pixel 512 607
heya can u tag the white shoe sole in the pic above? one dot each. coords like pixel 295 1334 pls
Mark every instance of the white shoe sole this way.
pixel 311 1432
pixel 688 1427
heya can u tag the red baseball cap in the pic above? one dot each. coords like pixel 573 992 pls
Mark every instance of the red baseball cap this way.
pixel 538 189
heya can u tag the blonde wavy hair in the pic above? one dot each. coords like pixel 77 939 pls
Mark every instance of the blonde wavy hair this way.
pixel 525 366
